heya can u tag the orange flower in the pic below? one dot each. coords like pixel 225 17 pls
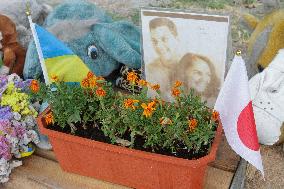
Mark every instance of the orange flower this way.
pixel 85 82
pixel 148 109
pixel 100 81
pixel 100 78
pixel 92 82
pixel 49 118
pixel 90 75
pixel 54 78
pixel 215 115
pixel 177 84
pixel 130 103
pixel 165 121
pixel 100 92
pixel 192 124
pixel 155 87
pixel 132 77
pixel 175 92
pixel 34 86
pixel 142 82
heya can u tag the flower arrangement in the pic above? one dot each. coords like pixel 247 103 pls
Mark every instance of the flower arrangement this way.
pixel 17 120
pixel 183 128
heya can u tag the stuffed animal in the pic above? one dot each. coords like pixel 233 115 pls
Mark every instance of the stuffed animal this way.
pixel 13 53
pixel 15 10
pixel 267 92
pixel 265 41
pixel 90 33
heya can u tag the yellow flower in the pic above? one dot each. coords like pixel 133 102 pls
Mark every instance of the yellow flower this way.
pixel 148 109
pixel 130 103
pixel 132 77
pixel 54 78
pixel 177 84
pixel 192 124
pixel 100 92
pixel 49 118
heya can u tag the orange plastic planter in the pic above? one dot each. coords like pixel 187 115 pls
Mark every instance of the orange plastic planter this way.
pixel 125 166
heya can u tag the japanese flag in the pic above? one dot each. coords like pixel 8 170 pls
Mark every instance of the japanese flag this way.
pixel 236 113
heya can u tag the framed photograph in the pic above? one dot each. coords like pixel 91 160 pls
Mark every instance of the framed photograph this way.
pixel 183 46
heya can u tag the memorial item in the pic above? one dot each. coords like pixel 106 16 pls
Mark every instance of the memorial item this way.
pixel 267 92
pixel 102 44
pixel 13 53
pixel 177 138
pixel 17 122
pixel 265 41
pixel 185 46
pixel 15 10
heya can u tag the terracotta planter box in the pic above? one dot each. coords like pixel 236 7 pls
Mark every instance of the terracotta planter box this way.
pixel 125 166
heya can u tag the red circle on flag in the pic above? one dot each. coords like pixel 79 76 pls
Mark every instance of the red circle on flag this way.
pixel 246 128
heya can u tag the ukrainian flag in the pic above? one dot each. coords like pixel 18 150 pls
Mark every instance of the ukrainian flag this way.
pixel 59 60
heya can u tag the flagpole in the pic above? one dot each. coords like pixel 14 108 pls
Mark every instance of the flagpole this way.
pixel 39 51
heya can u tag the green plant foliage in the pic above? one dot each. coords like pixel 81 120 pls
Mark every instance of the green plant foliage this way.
pixel 186 123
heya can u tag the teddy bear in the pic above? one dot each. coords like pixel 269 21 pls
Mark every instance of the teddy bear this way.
pixel 265 41
pixel 16 11
pixel 13 53
pixel 267 93
pixel 102 44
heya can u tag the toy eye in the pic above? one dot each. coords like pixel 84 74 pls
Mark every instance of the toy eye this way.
pixel 92 52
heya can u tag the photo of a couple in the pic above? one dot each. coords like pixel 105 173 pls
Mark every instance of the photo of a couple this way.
pixel 173 62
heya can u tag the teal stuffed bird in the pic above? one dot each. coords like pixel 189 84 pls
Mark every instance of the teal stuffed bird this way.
pixel 102 44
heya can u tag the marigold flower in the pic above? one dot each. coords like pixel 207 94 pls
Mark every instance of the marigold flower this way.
pixel 100 78
pixel 34 86
pixel 130 103
pixel 49 118
pixel 215 115
pixel 155 87
pixel 100 92
pixel 90 75
pixel 132 77
pixel 175 92
pixel 177 84
pixel 165 121
pixel 192 124
pixel 54 78
pixel 85 82
pixel 100 81
pixel 148 108
pixel 92 82
pixel 142 82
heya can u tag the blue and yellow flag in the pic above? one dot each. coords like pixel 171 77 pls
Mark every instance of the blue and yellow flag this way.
pixel 59 60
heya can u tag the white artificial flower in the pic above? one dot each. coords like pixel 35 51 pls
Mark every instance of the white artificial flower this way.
pixel 17 116
pixel 14 78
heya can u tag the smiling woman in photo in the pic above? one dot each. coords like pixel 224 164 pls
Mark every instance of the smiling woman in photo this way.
pixel 198 72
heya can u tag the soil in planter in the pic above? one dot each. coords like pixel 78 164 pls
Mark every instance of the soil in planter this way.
pixel 95 133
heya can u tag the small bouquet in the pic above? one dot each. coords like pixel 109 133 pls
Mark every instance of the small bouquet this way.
pixel 17 122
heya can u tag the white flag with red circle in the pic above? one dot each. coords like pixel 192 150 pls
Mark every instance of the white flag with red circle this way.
pixel 236 113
